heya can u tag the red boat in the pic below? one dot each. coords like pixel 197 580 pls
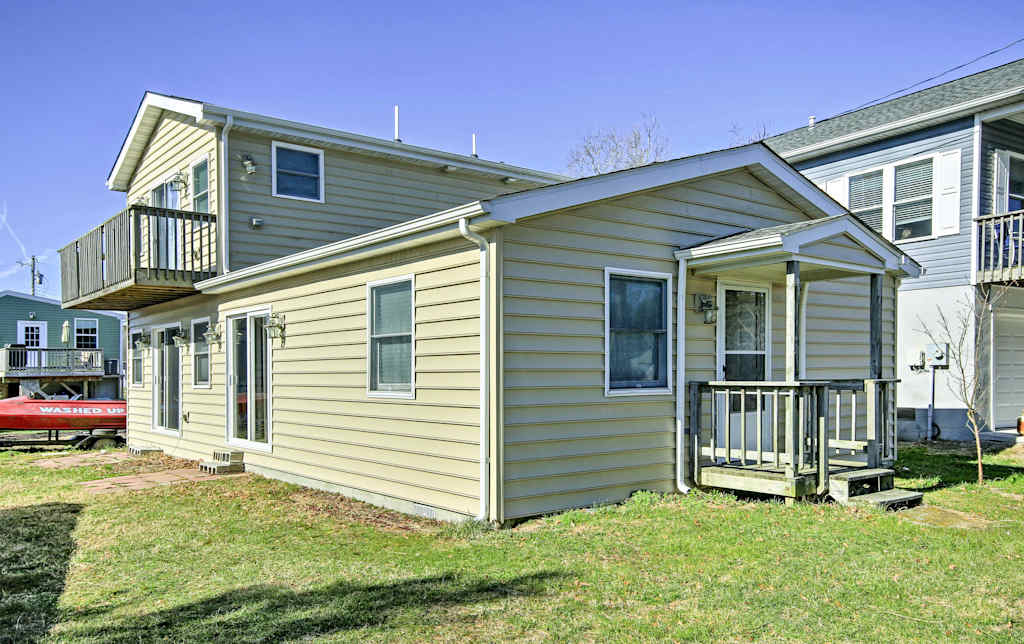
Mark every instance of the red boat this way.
pixel 76 415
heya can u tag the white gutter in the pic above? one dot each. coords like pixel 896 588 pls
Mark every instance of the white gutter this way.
pixel 222 171
pixel 682 436
pixel 485 343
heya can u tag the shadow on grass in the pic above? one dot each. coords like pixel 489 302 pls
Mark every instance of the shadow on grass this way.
pixel 35 548
pixel 275 613
pixel 948 465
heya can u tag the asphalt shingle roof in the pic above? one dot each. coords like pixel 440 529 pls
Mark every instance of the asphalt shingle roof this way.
pixel 947 94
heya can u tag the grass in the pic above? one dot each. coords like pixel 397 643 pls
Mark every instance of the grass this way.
pixel 249 559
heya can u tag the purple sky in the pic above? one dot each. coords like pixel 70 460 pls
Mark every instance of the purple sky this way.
pixel 531 79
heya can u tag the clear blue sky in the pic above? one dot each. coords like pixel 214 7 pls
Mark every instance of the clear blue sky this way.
pixel 531 78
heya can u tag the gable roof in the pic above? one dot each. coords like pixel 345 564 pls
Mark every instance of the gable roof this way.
pixel 951 100
pixel 154 105
pixel 512 207
pixel 790 238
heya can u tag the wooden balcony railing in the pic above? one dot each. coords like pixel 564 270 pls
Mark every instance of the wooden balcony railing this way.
pixel 30 362
pixel 139 256
pixel 1000 247
pixel 794 428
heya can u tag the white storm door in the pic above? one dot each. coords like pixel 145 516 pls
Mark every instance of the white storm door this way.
pixel 32 334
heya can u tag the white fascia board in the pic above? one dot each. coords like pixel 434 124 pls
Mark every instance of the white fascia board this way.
pixel 136 139
pixel 341 252
pixel 726 247
pixel 216 115
pixel 516 206
pixel 948 113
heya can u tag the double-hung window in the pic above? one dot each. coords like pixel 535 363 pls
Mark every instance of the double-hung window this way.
pixel 638 334
pixel 136 359
pixel 201 186
pixel 87 333
pixel 200 354
pixel 866 195
pixel 391 351
pixel 912 200
pixel 298 172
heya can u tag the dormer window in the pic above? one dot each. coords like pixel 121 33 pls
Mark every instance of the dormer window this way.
pixel 297 172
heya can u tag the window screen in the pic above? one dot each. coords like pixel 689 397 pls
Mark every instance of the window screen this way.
pixel 637 333
pixel 391 329
pixel 866 198
pixel 297 173
pixel 912 205
pixel 200 354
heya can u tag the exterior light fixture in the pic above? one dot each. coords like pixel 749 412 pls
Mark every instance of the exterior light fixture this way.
pixel 212 334
pixel 448 169
pixel 255 222
pixel 181 337
pixel 275 326
pixel 143 342
pixel 180 183
pixel 508 180
pixel 703 303
pixel 248 164
pixel 31 315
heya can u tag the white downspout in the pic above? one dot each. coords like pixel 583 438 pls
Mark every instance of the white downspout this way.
pixel 682 463
pixel 485 344
pixel 223 219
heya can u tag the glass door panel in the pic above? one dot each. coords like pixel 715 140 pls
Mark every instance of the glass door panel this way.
pixel 259 380
pixel 167 381
pixel 744 357
pixel 249 371
pixel 239 376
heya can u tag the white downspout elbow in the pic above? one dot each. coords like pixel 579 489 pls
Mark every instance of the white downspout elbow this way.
pixel 222 188
pixel 485 344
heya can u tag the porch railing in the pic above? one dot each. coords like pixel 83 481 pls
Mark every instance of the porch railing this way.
pixel 1000 246
pixel 31 362
pixel 163 243
pixel 797 428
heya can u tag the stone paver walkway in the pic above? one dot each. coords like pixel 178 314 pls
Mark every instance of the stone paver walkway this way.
pixel 78 460
pixel 153 479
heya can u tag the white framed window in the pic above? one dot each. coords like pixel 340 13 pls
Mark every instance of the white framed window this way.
pixel 249 380
pixel 297 172
pixel 200 354
pixel 136 359
pixel 866 194
pixel 637 332
pixel 1015 184
pixel 391 337
pixel 199 175
pixel 87 333
pixel 1008 182
pixel 912 200
pixel 165 195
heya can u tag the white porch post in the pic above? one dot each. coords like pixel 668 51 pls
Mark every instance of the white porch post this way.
pixel 876 408
pixel 794 332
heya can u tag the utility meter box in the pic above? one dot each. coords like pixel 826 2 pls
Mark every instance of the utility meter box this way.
pixel 937 356
pixel 915 359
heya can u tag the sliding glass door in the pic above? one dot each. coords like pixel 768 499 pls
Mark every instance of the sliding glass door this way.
pixel 249 379
pixel 166 381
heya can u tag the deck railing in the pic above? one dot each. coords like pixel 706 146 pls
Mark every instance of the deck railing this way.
pixel 798 428
pixel 1000 247
pixel 31 362
pixel 163 243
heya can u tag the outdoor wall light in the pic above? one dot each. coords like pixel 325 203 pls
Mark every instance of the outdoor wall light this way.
pixel 704 303
pixel 31 315
pixel 181 337
pixel 212 334
pixel 143 342
pixel 180 183
pixel 255 222
pixel 248 164
pixel 275 326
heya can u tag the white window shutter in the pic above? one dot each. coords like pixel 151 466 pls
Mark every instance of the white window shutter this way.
pixel 839 190
pixel 946 194
pixel 1001 181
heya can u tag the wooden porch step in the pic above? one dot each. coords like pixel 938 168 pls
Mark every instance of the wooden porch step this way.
pixel 887 499
pixel 848 485
pixel 747 479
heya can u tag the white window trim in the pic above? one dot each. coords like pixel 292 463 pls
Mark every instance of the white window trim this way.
pixel 97 321
pixel 639 391
pixel 274 145
pixel 889 191
pixel 370 392
pixel 738 285
pixel 159 182
pixel 154 347
pixel 209 355
pixel 229 437
pixel 141 384
pixel 191 177
pixel 1010 154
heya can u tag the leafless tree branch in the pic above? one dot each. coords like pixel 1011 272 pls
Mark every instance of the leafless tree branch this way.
pixel 609 150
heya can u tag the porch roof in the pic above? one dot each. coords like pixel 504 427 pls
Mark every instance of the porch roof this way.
pixel 829 248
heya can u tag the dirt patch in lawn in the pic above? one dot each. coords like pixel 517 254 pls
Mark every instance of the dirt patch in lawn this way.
pixel 316 502
pixel 936 517
pixel 79 460
pixel 151 463
pixel 148 480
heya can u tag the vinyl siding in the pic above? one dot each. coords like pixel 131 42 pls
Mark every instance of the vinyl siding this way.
pixel 997 135
pixel 361 194
pixel 947 259
pixel 175 143
pixel 567 445
pixel 325 428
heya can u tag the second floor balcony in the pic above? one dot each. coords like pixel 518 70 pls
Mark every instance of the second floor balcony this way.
pixel 1000 247
pixel 139 257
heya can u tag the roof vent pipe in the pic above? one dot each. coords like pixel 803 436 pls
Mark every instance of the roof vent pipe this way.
pixel 474 144
pixel 397 140
pixel 810 121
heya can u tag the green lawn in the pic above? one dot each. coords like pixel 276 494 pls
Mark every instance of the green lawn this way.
pixel 248 559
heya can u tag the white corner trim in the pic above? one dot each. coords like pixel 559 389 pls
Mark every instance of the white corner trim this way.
pixel 370 391
pixel 638 391
pixel 274 147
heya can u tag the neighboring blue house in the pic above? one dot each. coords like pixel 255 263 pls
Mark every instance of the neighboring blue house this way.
pixel 33 352
pixel 941 173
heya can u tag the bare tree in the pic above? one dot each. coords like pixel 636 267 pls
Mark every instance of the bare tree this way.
pixel 608 150
pixel 964 329
pixel 741 136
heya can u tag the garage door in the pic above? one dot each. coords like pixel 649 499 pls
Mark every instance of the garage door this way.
pixel 1009 368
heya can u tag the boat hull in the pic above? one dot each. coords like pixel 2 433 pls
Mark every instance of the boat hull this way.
pixel 30 414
